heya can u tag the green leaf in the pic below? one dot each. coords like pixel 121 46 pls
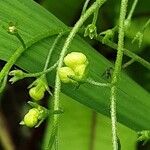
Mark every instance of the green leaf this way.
pixel 133 101
pixel 60 11
pixel 83 128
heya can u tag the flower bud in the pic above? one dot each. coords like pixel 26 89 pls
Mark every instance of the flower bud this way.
pixel 37 93
pixel 64 74
pixel 139 38
pixel 17 75
pixel 80 71
pixel 31 118
pixel 74 59
pixel 34 111
pixel 12 29
pixel 35 116
pixel 91 31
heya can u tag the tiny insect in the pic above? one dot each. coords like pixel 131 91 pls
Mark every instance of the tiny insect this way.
pixel 108 73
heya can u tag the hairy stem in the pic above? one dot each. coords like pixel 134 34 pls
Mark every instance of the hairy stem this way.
pixel 51 50
pixel 146 25
pixel 19 51
pixel 85 6
pixel 92 82
pixel 45 70
pixel 43 76
pixel 128 53
pixel 116 73
pixel 128 63
pixel 28 75
pixel 132 10
pixel 69 39
pixel 95 16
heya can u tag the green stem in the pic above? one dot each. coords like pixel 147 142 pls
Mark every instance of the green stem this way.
pixel 128 63
pixel 69 39
pixel 126 52
pixel 95 16
pixel 20 50
pixel 91 81
pixel 51 50
pixel 85 6
pixel 146 25
pixel 3 85
pixel 43 76
pixel 115 28
pixel 128 20
pixel 116 73
pixel 47 129
pixel 45 70
pixel 21 40
pixel 28 75
pixel 132 10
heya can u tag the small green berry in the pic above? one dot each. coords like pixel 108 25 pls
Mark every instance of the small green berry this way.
pixel 64 74
pixel 74 59
pixel 37 93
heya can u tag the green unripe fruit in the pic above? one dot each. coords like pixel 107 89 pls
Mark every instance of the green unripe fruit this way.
pixel 37 93
pixel 31 119
pixel 64 74
pixel 74 59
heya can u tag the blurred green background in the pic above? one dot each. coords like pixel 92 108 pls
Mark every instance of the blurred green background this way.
pixel 81 128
